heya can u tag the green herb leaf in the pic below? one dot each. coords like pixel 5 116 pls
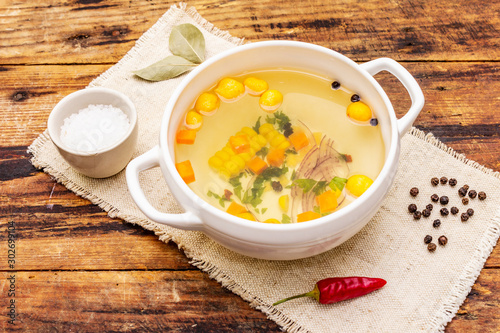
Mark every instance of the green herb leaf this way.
pixel 165 69
pixel 273 171
pixel 281 119
pixel 305 184
pixel 320 187
pixel 337 183
pixel 235 181
pixel 262 152
pixel 188 42
pixel 285 219
pixel 221 199
pixel 257 125
pixel 263 210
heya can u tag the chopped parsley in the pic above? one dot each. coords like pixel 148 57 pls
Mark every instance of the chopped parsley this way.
pixel 222 199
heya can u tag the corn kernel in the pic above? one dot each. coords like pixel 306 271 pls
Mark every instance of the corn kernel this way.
pixel 273 221
pixel 271 100
pixel 224 173
pixel 253 151
pixel 254 145
pixel 229 150
pixel 284 145
pixel 245 156
pixel 277 140
pixel 207 104
pixel 223 155
pixel 284 202
pixel 266 128
pixel 229 89
pixel 215 162
pixel 193 120
pixel 270 135
pixel 249 131
pixel 232 167
pixel 255 86
pixel 240 162
pixel 261 140
pixel 359 111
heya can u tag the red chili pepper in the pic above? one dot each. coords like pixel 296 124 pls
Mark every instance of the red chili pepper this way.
pixel 332 290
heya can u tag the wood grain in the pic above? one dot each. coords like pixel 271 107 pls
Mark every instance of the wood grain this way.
pixel 79 270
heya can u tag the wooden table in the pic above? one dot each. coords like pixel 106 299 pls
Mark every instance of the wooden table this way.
pixel 78 270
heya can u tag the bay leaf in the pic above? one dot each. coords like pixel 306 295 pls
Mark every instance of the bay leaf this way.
pixel 165 69
pixel 188 42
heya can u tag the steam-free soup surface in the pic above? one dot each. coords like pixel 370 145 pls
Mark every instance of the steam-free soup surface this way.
pixel 342 156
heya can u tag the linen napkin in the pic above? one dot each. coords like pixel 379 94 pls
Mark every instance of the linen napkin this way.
pixel 424 290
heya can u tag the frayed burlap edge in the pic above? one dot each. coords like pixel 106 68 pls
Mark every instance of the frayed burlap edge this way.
pixel 437 323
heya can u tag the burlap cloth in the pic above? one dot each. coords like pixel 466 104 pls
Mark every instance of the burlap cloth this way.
pixel 424 290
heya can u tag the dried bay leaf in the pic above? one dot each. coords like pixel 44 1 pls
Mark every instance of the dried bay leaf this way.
pixel 165 69
pixel 188 42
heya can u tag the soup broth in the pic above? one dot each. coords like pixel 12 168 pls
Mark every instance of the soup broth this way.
pixel 300 148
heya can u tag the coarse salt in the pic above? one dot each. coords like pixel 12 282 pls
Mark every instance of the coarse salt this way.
pixel 94 128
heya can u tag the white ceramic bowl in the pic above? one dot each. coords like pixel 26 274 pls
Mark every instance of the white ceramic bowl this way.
pixel 277 241
pixel 105 162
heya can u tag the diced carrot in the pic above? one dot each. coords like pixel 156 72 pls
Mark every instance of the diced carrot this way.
pixel 257 165
pixel 327 201
pixel 186 171
pixel 186 137
pixel 307 216
pixel 247 216
pixel 240 144
pixel 299 140
pixel 235 208
pixel 275 157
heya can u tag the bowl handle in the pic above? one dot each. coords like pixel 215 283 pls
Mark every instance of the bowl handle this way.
pixel 408 81
pixel 149 160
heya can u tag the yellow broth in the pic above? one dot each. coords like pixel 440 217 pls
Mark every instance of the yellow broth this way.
pixel 309 102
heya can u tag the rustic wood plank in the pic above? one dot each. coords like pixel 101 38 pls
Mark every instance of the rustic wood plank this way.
pixel 102 31
pixel 139 301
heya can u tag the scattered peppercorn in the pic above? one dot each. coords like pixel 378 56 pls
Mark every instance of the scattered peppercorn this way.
pixel 426 213
pixel 429 207
pixel 472 194
pixel 335 85
pixel 442 240
pixel 454 210
pixel 466 187
pixel 481 195
pixel 464 217
pixel 436 223
pixel 431 247
pixel 470 212
pixel 443 180
pixel 462 191
pixel 417 215
pixel 277 187
pixel 355 98
pixel 435 181
pixel 287 129
pixel 465 201
pixel 414 191
pixel 374 121
pixel 435 197
pixel 444 211
pixel 412 208
pixel 427 239
pixel 452 182
pixel 444 200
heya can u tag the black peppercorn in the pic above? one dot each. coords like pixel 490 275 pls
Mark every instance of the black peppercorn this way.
pixel 465 201
pixel 431 247
pixel 412 208
pixel 417 215
pixel 374 121
pixel 481 195
pixel 436 223
pixel 414 191
pixel 472 194
pixel 462 191
pixel 335 85
pixel 470 211
pixel 444 200
pixel 429 207
pixel 454 210
pixel 277 187
pixel 435 181
pixel 435 198
pixel 287 129
pixel 464 217
pixel 452 182
pixel 442 240
pixel 443 180
pixel 444 211
pixel 466 187
pixel 427 239
pixel 426 213
pixel 355 98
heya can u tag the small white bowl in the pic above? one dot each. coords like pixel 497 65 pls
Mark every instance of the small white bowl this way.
pixel 105 162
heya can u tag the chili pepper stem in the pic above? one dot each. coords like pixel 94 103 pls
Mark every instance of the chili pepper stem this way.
pixel 314 294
